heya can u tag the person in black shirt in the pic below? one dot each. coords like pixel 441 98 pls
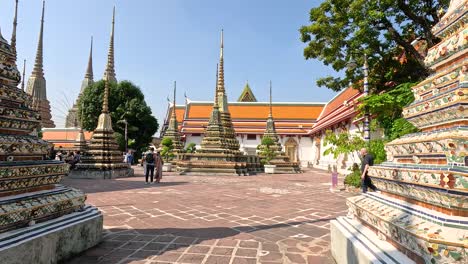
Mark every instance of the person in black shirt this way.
pixel 367 160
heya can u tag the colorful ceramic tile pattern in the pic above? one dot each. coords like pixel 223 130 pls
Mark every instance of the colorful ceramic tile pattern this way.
pixel 425 179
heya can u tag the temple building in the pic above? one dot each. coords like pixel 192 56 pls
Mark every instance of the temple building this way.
pixel 41 220
pixel 338 115
pixel 293 122
pixel 37 84
pixel 72 116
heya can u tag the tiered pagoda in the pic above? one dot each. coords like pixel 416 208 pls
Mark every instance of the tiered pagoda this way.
pixel 37 212
pixel 423 205
pixel 281 160
pixel 172 131
pixel 72 119
pixel 103 159
pixel 37 84
pixel 229 133
pixel 219 153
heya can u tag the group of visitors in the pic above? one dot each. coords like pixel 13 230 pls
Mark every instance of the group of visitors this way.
pixel 128 157
pixel 152 161
pixel 70 157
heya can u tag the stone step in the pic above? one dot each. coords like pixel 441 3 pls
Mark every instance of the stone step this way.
pixel 351 243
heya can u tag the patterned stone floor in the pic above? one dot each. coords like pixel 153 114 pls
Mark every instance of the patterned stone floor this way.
pixel 228 220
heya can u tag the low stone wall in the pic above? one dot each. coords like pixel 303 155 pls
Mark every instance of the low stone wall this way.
pixel 101 174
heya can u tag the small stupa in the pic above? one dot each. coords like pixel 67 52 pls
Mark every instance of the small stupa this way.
pixel 80 142
pixel 172 131
pixel 219 150
pixel 37 83
pixel 37 212
pixel 281 160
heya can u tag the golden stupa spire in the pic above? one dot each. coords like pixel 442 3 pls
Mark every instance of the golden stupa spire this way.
pixel 271 106
pixel 109 73
pixel 105 100
pixel 89 69
pixel 38 69
pixel 13 35
pixel 220 78
pixel 216 89
pixel 24 75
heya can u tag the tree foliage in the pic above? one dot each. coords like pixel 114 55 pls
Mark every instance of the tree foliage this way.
pixel 167 149
pixel 382 29
pixel 342 143
pixel 191 148
pixel 126 102
pixel 387 108
pixel 266 152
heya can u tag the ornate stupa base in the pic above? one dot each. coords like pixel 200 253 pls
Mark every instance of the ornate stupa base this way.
pixel 283 165
pixel 54 240
pixel 90 173
pixel 423 235
pixel 216 164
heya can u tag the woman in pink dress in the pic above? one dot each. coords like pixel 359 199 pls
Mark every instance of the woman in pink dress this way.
pixel 158 162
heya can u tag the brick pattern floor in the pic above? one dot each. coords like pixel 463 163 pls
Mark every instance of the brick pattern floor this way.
pixel 214 219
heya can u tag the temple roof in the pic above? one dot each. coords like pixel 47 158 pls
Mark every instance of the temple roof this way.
pixel 341 107
pixel 65 137
pixel 250 117
pixel 247 95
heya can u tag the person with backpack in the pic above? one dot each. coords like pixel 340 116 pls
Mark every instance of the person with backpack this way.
pixel 149 159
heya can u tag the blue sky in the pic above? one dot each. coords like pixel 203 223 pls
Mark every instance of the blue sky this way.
pixel 159 41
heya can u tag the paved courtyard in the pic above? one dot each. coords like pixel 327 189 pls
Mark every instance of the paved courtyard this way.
pixel 227 220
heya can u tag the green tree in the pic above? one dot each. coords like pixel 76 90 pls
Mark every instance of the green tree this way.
pixel 342 143
pixel 167 149
pixel 387 108
pixel 382 29
pixel 126 101
pixel 266 152
pixel 191 148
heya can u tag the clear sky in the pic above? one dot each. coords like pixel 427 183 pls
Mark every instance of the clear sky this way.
pixel 159 41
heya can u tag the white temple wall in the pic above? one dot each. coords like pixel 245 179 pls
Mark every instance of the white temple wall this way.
pixel 328 161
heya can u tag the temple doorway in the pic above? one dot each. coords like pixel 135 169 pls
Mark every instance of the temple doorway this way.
pixel 291 149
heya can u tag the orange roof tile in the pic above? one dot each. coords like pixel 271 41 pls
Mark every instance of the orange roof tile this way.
pixel 63 134
pixel 345 95
pixel 259 111
pixel 180 112
pixel 337 111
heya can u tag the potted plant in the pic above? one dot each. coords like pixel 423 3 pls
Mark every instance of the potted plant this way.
pixel 267 154
pixel 167 153
pixel 191 148
pixel 352 181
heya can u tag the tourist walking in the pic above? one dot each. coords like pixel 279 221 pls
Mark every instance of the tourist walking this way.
pixel 367 161
pixel 149 159
pixel 143 161
pixel 158 166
